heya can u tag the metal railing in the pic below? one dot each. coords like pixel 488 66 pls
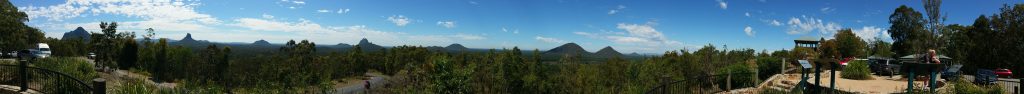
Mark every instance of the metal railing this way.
pixel 1007 85
pixel 29 79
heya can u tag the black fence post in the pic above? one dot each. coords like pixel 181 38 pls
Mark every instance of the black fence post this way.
pixel 665 80
pixel 99 86
pixel 23 63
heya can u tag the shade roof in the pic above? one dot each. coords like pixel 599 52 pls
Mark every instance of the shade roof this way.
pixel 915 55
pixel 807 38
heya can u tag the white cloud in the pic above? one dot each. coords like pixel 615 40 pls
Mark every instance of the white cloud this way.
pixel 747 14
pixel 306 29
pixel 616 10
pixel 827 10
pixel 644 31
pixel 265 16
pixel 610 12
pixel 722 4
pixel 516 31
pixel 446 24
pixel 269 25
pixel 773 22
pixel 428 40
pixel 342 11
pixel 175 11
pixel 468 36
pixel 322 11
pixel 174 16
pixel 399 20
pixel 636 38
pixel 749 31
pixel 591 35
pixel 291 7
pixel 474 3
pixel 549 40
pixel 299 2
pixel 806 24
pixel 869 33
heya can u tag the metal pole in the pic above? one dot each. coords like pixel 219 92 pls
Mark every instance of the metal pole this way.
pixel 817 77
pixel 931 82
pixel 910 79
pixel 99 86
pixel 832 84
pixel 24 74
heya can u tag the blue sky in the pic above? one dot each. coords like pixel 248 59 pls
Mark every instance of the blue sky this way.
pixel 644 26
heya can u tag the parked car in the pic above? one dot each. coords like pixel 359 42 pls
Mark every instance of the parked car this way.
pixel 1004 73
pixel 5 54
pixel 952 72
pixel 92 56
pixel 884 67
pixel 984 76
pixel 889 69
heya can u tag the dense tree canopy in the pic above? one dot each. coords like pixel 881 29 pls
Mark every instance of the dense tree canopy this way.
pixel 849 45
pixel 907 31
pixel 15 35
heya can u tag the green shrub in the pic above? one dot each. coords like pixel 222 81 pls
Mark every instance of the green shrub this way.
pixel 964 87
pixel 74 67
pixel 768 66
pixel 133 87
pixel 857 70
pixel 742 76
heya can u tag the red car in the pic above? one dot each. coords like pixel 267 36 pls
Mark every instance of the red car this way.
pixel 1004 73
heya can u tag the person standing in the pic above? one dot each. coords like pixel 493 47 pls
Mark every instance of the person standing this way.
pixel 931 58
pixel 367 86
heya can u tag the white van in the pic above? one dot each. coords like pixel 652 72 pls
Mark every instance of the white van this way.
pixel 42 51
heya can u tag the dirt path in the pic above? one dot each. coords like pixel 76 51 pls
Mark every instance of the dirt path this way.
pixel 358 85
pixel 116 77
pixel 880 84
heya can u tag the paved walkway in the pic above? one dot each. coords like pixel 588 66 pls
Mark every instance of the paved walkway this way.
pixel 10 88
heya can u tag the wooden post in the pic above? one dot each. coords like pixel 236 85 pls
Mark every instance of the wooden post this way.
pixel 99 86
pixel 665 80
pixel 728 80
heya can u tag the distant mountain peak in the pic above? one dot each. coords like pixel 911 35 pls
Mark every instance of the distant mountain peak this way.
pixel 261 42
pixel 456 47
pixel 568 49
pixel 343 45
pixel 188 37
pixel 364 41
pixel 607 51
pixel 77 33
pixel 365 45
